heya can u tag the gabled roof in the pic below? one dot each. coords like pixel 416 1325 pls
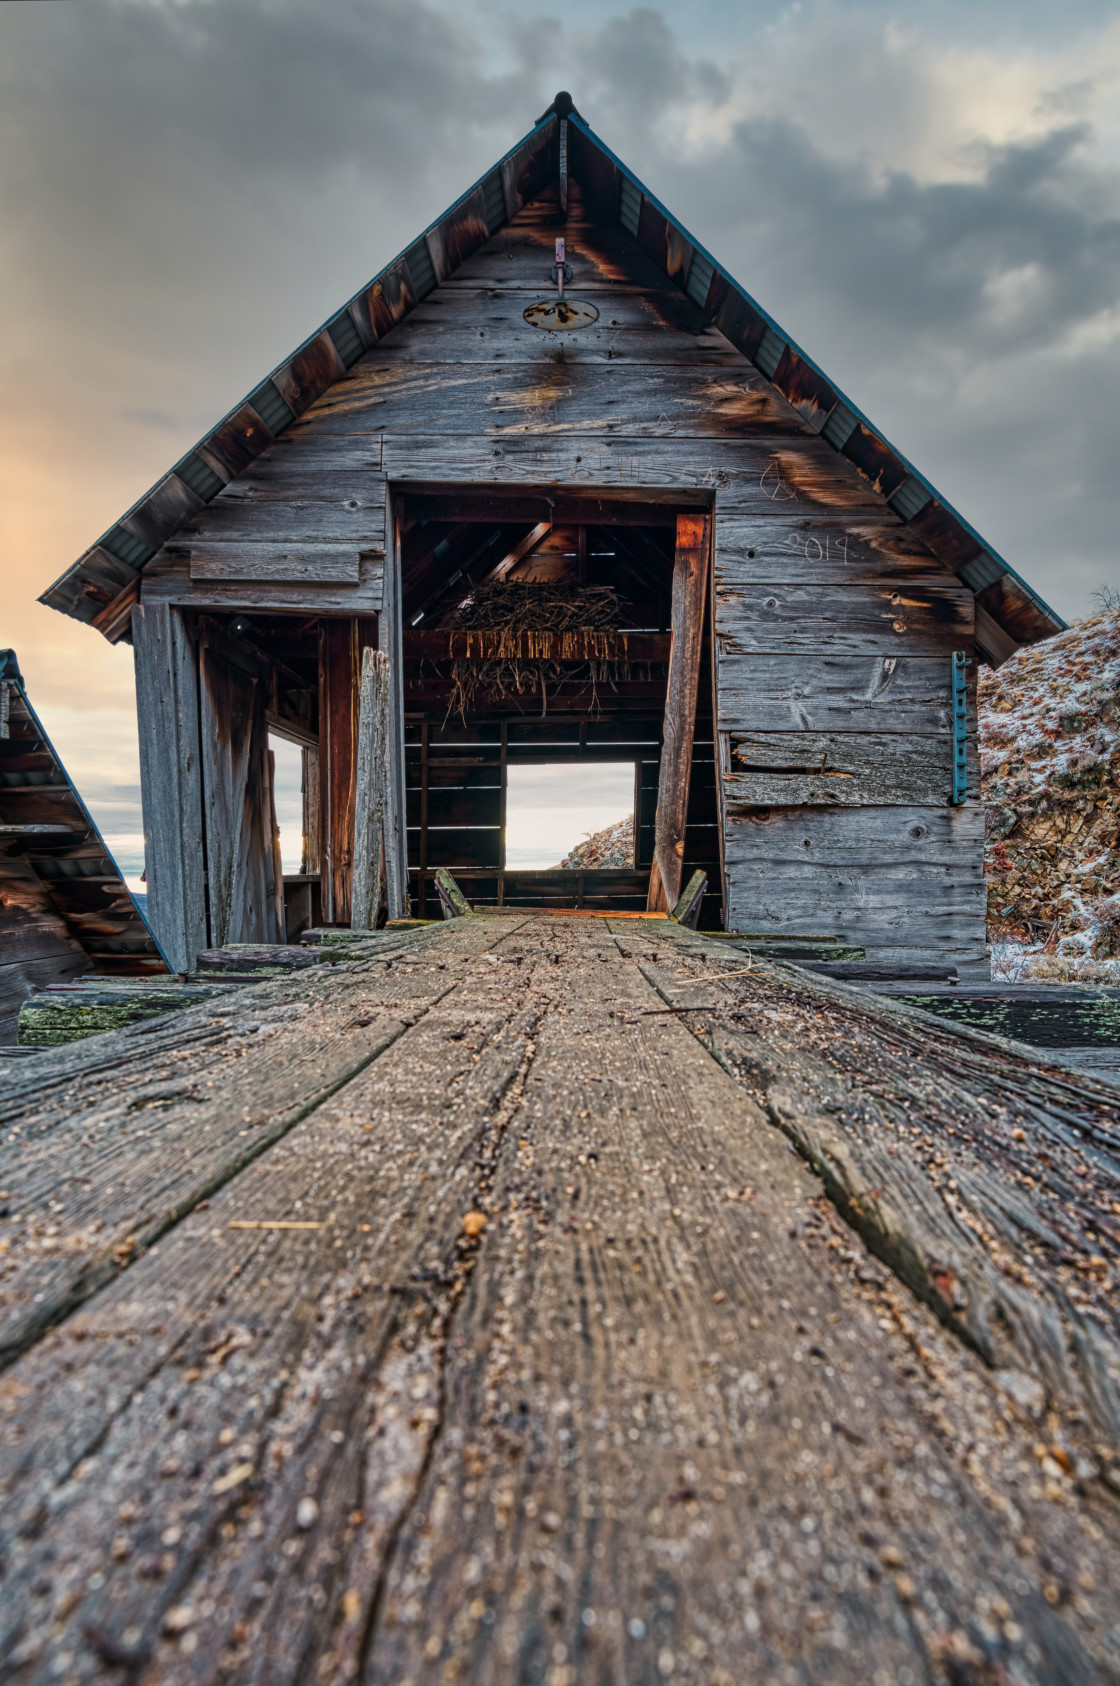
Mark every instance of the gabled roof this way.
pixel 48 837
pixel 101 586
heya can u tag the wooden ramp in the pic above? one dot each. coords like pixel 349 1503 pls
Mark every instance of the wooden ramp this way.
pixel 497 1306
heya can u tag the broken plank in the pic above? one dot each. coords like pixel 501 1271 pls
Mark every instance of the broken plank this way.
pixel 839 769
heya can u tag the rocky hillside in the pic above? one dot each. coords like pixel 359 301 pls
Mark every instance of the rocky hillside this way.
pixel 613 846
pixel 1050 760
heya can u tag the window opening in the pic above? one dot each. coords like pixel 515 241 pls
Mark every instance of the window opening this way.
pixel 288 796
pixel 551 810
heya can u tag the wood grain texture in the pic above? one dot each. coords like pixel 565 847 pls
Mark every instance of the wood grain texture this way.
pixel 389 641
pixel 748 475
pixel 845 620
pixel 240 863
pixel 909 878
pixel 167 710
pixel 309 564
pixel 580 1369
pixel 691 563
pixel 371 791
pixel 821 550
pixel 780 692
pixel 938 1186
pixel 550 397
pixel 841 769
pixel 167 579
pixel 311 857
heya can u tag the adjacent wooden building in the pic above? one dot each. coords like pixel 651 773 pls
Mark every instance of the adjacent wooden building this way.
pixel 65 911
pixel 635 522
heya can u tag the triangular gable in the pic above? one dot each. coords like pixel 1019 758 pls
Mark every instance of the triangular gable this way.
pixel 101 586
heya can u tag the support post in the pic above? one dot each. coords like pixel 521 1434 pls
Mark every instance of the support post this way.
pixel 233 740
pixel 389 640
pixel 166 665
pixel 690 578
pixel 312 820
pixel 372 842
pixel 341 642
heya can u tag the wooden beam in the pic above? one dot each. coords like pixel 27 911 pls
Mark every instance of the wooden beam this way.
pixel 531 540
pixel 312 812
pixel 115 619
pixel 389 641
pixel 579 644
pixel 371 796
pixel 167 708
pixel 340 646
pixel 994 642
pixel 690 578
pixel 240 847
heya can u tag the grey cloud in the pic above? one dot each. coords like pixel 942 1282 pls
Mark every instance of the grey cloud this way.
pixel 189 187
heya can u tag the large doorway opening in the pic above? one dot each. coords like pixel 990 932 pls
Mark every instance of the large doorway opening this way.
pixel 536 639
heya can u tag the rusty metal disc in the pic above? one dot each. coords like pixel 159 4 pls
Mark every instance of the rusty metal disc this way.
pixel 561 316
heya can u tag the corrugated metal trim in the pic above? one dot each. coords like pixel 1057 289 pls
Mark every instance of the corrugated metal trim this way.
pixel 199 476
pixel 700 278
pixel 421 270
pixel 345 339
pixel 271 408
pixel 837 429
pixel 981 571
pixel 127 548
pixel 910 498
pixel 769 353
pixel 630 206
pixel 494 202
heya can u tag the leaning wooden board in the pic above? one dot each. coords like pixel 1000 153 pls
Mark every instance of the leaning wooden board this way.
pixel 530 1353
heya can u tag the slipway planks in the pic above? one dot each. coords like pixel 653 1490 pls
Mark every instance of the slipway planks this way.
pixel 659 1416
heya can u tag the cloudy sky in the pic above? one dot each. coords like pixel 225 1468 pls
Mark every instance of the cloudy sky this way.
pixel 926 197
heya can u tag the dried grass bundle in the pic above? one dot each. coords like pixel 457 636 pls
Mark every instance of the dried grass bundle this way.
pixel 519 611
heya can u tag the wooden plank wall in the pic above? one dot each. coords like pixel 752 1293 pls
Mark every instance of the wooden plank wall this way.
pixel 236 782
pixel 831 619
pixel 167 711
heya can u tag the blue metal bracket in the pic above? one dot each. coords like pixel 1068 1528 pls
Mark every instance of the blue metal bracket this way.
pixel 960 728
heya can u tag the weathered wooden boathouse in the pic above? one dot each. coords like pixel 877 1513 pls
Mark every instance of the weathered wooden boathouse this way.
pixel 592 503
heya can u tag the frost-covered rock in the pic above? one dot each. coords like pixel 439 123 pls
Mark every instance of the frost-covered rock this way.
pixel 613 846
pixel 1050 776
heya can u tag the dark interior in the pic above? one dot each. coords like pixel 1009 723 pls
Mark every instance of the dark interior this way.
pixel 456 759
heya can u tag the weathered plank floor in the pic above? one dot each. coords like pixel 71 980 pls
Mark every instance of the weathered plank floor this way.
pixel 662 1417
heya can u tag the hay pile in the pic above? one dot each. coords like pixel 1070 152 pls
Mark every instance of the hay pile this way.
pixel 517 610
pixel 1050 777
